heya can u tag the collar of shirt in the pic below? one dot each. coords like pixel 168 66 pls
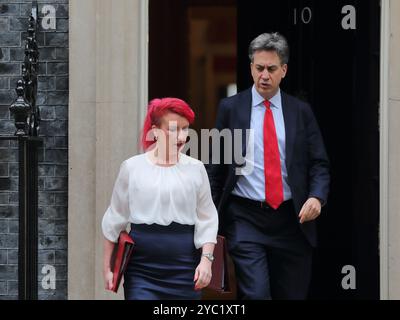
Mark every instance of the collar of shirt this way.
pixel 257 99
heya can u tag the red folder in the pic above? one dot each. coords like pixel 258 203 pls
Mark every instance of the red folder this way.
pixel 220 280
pixel 120 258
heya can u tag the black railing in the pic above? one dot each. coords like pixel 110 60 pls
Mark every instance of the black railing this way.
pixel 27 123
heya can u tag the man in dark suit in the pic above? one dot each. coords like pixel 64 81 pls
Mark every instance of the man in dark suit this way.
pixel 268 212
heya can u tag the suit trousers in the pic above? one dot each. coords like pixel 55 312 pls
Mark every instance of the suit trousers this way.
pixel 272 258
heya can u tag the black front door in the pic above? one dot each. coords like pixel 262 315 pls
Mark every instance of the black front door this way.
pixel 334 65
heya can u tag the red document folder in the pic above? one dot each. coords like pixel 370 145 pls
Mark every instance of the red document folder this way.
pixel 120 258
pixel 220 275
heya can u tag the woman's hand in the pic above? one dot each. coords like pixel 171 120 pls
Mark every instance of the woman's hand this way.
pixel 108 279
pixel 202 275
pixel 107 274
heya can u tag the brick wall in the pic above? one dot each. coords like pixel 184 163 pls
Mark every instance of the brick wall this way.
pixel 53 157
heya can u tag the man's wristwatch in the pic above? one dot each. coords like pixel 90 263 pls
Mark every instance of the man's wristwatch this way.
pixel 209 256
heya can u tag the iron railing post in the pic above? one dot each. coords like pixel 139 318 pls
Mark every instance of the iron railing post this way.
pixel 27 122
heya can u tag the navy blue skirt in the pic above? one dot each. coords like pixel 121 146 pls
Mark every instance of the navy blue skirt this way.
pixel 162 264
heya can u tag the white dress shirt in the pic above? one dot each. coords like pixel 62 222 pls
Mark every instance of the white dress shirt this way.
pixel 148 193
pixel 252 186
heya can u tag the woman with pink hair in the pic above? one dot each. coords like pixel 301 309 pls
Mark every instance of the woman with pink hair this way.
pixel 165 196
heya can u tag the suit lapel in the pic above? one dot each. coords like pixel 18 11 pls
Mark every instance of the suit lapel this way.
pixel 290 117
pixel 243 116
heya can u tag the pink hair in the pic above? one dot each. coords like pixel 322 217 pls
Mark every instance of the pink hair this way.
pixel 156 109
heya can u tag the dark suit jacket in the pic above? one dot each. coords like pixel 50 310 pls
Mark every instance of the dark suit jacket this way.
pixel 306 159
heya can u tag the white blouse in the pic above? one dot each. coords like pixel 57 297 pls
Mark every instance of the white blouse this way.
pixel 148 193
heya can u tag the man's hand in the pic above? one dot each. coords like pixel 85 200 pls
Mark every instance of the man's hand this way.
pixel 310 210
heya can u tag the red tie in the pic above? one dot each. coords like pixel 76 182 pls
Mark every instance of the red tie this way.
pixel 272 162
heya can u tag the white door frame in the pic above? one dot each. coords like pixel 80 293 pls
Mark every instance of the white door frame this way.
pixel 384 151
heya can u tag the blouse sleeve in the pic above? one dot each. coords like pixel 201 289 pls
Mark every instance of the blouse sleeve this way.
pixel 116 217
pixel 206 226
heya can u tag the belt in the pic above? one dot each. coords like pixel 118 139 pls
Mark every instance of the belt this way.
pixel 258 204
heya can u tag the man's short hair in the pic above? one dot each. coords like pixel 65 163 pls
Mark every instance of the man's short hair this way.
pixel 270 42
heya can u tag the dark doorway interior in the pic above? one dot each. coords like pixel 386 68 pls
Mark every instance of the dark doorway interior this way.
pixel 192 53
pixel 335 70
